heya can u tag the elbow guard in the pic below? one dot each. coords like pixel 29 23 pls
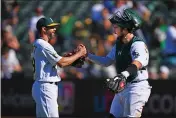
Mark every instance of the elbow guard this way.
pixel 130 71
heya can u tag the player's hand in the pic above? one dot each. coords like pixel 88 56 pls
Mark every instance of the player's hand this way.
pixel 81 45
pixel 80 61
pixel 82 50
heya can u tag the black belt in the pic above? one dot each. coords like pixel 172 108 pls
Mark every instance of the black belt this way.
pixel 56 83
pixel 143 68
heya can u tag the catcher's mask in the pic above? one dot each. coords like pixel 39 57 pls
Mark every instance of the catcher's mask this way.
pixel 127 19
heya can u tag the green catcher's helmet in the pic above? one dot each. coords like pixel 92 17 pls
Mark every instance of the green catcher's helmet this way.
pixel 128 19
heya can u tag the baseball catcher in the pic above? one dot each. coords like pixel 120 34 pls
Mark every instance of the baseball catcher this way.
pixel 130 56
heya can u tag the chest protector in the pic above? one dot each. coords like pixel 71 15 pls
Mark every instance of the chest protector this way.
pixel 123 55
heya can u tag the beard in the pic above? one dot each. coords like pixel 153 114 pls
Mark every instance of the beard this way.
pixel 51 35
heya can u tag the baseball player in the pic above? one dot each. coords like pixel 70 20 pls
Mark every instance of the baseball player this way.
pixel 131 56
pixel 46 61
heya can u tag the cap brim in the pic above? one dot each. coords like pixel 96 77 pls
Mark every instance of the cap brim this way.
pixel 53 24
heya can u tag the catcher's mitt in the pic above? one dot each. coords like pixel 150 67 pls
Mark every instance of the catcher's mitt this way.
pixel 79 62
pixel 116 84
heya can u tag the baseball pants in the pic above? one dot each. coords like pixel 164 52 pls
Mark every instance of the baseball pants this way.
pixel 45 96
pixel 130 102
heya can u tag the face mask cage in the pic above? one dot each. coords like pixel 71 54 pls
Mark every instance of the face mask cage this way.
pixel 121 17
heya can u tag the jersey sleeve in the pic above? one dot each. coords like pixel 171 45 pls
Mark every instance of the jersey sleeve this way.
pixel 51 55
pixel 111 54
pixel 139 52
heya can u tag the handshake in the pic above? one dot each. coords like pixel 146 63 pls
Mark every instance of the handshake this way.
pixel 82 52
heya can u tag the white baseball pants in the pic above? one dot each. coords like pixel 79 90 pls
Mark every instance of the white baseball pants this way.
pixel 45 96
pixel 130 102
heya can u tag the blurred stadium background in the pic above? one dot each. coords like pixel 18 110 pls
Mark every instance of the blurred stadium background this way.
pixel 85 22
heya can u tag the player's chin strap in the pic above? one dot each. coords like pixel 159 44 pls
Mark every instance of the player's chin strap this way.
pixel 122 37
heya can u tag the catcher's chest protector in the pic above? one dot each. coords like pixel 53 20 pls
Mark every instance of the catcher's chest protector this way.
pixel 123 56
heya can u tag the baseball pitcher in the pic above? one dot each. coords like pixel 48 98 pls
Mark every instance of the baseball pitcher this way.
pixel 131 56
pixel 46 62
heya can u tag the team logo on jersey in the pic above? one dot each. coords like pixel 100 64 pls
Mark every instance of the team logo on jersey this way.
pixel 119 52
pixel 135 54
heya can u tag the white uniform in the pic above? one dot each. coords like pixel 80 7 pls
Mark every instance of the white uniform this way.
pixel 45 89
pixel 130 102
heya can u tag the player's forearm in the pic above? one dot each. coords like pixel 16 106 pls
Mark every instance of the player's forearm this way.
pixel 66 61
pixel 104 61
pixel 132 69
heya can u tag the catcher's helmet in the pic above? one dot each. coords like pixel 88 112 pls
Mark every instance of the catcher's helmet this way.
pixel 128 19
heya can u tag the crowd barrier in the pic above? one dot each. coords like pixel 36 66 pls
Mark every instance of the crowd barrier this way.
pixel 82 98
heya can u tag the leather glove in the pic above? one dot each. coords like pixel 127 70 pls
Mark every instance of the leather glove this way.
pixel 116 84
pixel 77 63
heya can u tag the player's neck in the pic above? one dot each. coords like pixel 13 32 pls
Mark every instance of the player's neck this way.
pixel 44 37
pixel 127 38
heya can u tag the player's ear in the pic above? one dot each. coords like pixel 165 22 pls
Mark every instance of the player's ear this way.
pixel 44 29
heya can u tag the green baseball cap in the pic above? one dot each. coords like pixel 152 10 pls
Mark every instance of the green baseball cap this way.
pixel 45 22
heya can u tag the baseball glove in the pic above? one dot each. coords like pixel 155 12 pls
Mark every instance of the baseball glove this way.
pixel 116 84
pixel 79 62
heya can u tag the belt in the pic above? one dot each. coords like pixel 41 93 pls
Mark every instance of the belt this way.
pixel 56 83
pixel 137 81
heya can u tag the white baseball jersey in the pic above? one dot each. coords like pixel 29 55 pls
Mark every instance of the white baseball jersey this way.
pixel 138 52
pixel 44 61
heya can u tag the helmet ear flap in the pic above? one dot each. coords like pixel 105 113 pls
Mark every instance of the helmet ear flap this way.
pixel 136 23
pixel 135 19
